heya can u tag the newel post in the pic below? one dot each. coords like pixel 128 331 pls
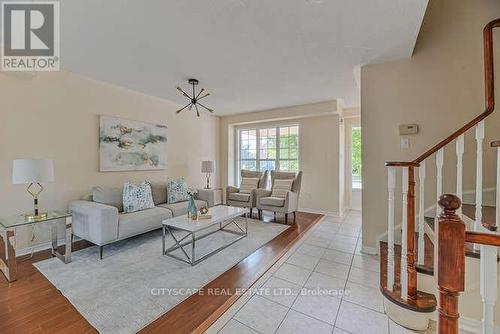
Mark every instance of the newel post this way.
pixel 450 263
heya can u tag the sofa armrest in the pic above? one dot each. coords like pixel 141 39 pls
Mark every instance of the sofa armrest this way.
pixel 207 195
pixel 259 193
pixel 95 222
pixel 292 201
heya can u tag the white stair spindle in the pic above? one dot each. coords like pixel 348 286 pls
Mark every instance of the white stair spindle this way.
pixel 460 153
pixel 488 286
pixel 439 192
pixel 421 217
pixel 479 178
pixel 439 180
pixel 404 234
pixel 391 187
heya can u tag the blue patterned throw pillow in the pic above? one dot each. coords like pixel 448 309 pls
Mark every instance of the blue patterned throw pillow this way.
pixel 137 197
pixel 177 190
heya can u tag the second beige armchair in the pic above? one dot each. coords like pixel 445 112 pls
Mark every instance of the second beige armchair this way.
pixel 283 196
pixel 245 196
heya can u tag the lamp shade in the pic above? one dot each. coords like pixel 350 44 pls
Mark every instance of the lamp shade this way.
pixel 32 170
pixel 208 166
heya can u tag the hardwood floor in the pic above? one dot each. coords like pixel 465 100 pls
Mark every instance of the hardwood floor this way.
pixel 33 305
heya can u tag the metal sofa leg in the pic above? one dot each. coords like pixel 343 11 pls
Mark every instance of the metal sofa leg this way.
pixel 275 216
pixel 260 214
pixel 101 251
pixel 251 212
pixel 286 218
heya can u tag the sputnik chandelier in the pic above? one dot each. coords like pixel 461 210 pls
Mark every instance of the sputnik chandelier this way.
pixel 194 100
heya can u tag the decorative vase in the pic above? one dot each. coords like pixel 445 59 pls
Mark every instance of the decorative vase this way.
pixel 192 210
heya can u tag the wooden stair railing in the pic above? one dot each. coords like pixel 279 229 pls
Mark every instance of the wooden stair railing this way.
pixel 408 274
pixel 451 236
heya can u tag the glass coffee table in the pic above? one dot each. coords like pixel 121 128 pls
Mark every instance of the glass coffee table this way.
pixel 221 217
pixel 8 264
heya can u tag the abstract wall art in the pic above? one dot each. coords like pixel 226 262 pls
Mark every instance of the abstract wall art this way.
pixel 126 145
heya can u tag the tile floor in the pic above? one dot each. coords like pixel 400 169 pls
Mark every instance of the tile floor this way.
pixel 328 260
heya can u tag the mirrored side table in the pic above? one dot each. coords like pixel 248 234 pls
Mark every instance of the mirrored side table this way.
pixel 8 264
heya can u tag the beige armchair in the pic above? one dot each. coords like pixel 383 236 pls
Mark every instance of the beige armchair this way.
pixel 235 197
pixel 286 203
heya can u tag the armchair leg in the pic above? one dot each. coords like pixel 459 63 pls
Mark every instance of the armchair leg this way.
pixel 260 214
pixel 101 251
pixel 286 218
pixel 251 209
pixel 275 216
pixel 294 216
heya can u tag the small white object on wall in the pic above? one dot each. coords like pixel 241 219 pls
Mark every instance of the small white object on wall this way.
pixel 405 142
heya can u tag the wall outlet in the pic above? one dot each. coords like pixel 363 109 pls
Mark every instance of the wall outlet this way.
pixel 405 142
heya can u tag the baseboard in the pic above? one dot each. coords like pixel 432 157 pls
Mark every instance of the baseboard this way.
pixel 472 325
pixel 41 247
pixel 322 212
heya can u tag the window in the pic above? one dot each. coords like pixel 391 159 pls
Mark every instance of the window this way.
pixel 356 157
pixel 289 148
pixel 267 149
pixel 270 148
pixel 248 149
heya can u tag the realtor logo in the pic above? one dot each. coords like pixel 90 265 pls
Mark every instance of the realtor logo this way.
pixel 30 36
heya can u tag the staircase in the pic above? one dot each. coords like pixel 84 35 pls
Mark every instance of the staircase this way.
pixel 434 249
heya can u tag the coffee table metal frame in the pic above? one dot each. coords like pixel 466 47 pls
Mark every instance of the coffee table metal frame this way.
pixel 179 244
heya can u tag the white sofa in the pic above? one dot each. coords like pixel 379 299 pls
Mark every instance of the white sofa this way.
pixel 100 218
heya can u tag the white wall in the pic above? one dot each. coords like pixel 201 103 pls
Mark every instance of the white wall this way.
pixel 55 116
pixel 441 89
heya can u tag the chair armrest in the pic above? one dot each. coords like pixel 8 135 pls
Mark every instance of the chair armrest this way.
pixel 207 195
pixel 231 189
pixel 292 201
pixel 94 222
pixel 259 193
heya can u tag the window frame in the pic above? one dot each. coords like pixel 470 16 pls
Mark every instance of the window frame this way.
pixel 278 151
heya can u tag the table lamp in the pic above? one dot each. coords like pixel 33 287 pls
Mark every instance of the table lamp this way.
pixel 33 172
pixel 208 167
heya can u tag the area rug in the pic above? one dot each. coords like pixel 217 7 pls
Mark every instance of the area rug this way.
pixel 135 284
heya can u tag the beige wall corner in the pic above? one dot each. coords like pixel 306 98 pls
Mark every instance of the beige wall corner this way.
pixel 319 149
pixel 440 88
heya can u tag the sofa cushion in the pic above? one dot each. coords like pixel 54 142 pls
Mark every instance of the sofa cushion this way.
pixel 281 187
pixel 248 184
pixel 109 196
pixel 159 190
pixel 177 190
pixel 239 197
pixel 181 208
pixel 272 201
pixel 134 223
pixel 137 197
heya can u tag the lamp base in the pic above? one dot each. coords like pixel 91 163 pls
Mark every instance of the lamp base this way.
pixel 31 217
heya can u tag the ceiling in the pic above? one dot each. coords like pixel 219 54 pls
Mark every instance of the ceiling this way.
pixel 250 54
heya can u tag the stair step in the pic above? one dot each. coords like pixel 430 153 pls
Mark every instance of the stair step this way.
pixel 488 218
pixel 423 302
pixel 469 248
